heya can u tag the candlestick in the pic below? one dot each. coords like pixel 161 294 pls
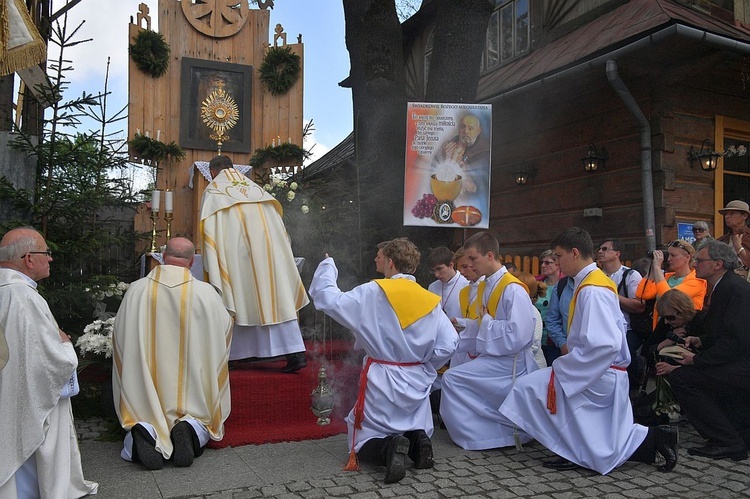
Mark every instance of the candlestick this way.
pixel 168 201
pixel 155 199
pixel 168 216
pixel 154 217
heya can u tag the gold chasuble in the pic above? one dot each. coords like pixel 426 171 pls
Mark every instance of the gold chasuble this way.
pixel 409 301
pixel 595 278
pixel 246 252
pixel 170 351
pixel 497 293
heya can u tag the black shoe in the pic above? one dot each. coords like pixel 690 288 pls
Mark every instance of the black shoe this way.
pixel 734 452
pixel 144 448
pixel 395 469
pixel 295 362
pixel 183 439
pixel 665 441
pixel 420 450
pixel 559 464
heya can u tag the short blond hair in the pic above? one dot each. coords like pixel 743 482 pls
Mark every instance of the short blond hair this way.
pixel 403 253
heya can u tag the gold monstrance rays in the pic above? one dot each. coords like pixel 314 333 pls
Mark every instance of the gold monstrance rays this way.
pixel 219 112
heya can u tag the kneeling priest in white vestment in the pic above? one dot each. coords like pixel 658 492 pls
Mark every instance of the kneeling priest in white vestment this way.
pixel 579 408
pixel 503 336
pixel 247 255
pixel 406 338
pixel 170 376
pixel 39 454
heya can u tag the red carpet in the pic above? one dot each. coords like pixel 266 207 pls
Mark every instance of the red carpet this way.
pixel 270 406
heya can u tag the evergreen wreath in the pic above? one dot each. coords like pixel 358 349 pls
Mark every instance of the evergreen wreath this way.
pixel 155 150
pixel 281 152
pixel 150 52
pixel 280 69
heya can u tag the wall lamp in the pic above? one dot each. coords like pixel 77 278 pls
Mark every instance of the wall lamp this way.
pixel 707 157
pixel 594 159
pixel 524 172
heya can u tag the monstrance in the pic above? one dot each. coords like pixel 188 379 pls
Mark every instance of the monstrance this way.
pixel 220 113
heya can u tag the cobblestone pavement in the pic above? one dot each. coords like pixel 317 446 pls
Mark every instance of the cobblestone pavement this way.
pixel 312 469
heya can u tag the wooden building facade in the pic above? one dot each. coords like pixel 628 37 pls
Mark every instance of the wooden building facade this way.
pixel 684 65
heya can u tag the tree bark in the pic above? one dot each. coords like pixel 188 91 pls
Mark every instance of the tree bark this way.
pixel 460 33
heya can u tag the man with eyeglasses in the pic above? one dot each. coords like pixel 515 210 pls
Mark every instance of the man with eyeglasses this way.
pixel 681 276
pixel 37 436
pixel 713 385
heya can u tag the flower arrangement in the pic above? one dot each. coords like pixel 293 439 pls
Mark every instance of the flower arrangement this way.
pixel 281 188
pixel 103 294
pixel 97 338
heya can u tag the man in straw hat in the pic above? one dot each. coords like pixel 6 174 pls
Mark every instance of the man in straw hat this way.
pixel 735 215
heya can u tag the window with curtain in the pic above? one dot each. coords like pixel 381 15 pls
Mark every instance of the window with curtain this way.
pixel 508 33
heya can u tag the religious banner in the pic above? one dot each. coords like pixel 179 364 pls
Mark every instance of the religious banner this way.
pixel 448 151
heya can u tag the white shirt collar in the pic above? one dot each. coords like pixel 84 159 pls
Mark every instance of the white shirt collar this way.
pixel 404 276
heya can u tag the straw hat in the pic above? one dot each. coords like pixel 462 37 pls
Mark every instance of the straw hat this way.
pixel 736 205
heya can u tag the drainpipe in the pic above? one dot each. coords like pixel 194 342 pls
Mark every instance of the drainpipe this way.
pixel 647 184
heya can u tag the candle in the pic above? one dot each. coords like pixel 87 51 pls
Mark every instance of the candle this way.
pixel 273 142
pixel 155 198
pixel 289 140
pixel 158 135
pixel 168 202
pixel 137 131
pixel 147 134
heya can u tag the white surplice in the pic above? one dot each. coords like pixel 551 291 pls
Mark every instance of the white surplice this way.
pixel 448 293
pixel 34 421
pixel 171 346
pixel 594 425
pixel 247 255
pixel 473 391
pixel 397 397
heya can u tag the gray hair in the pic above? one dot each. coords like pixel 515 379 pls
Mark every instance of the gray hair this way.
pixel 722 251
pixel 18 248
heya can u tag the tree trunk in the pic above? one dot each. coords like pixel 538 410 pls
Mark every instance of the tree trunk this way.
pixel 378 82
pixel 460 33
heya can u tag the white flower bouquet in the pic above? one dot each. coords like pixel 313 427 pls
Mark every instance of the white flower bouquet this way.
pixel 97 338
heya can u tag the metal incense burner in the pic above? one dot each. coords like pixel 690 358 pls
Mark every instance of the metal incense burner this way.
pixel 322 399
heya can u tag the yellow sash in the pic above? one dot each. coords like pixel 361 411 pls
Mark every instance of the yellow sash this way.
pixel 497 293
pixel 595 278
pixel 409 300
pixel 469 310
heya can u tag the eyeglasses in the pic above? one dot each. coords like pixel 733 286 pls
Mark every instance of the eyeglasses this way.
pixel 545 262
pixel 701 260
pixel 698 230
pixel 678 244
pixel 605 249
pixel 669 318
pixel 48 253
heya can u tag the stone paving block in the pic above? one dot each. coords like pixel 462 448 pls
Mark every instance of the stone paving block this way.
pixel 470 490
pixel 451 492
pixel 444 483
pixel 322 483
pixel 247 494
pixel 501 494
pixel 522 491
pixel 340 490
pixel 298 486
pixel 313 493
pixel 637 494
pixel 365 495
pixel 364 486
pixel 288 495
pixel 510 482
pixel 273 490
pixel 423 487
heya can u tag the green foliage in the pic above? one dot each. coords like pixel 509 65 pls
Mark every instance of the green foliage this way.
pixel 281 152
pixel 155 151
pixel 150 52
pixel 280 69
pixel 80 193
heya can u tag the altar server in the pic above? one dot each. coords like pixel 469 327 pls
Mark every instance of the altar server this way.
pixel 406 337
pixel 247 255
pixel 40 456
pixel 579 408
pixel 502 336
pixel 170 380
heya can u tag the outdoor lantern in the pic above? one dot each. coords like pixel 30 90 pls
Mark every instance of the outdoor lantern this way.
pixel 523 173
pixel 707 157
pixel 594 159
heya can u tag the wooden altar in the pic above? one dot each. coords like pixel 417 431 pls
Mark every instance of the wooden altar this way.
pixel 216 40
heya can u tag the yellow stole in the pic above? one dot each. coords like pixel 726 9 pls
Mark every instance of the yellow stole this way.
pixel 497 293
pixel 409 300
pixel 595 278
pixel 469 310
